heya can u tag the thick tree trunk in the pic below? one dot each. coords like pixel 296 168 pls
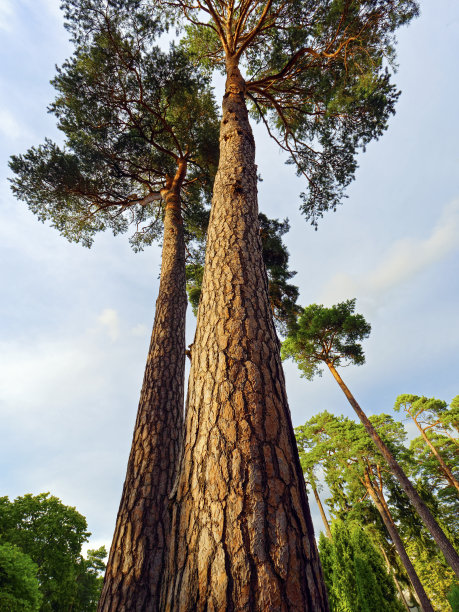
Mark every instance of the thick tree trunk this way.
pixel 397 540
pixel 444 468
pixel 322 512
pixel 451 556
pixel 138 553
pixel 242 536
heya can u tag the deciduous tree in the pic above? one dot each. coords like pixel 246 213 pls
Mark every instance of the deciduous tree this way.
pixel 52 535
pixel 19 586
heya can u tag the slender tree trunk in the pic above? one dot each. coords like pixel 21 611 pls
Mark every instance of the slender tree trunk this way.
pixel 391 571
pixel 444 468
pixel 451 556
pixel 138 553
pixel 322 512
pixel 396 539
pixel 242 535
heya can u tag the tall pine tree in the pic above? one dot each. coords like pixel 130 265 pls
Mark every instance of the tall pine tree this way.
pixel 141 146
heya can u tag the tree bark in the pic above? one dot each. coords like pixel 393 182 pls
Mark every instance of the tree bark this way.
pixel 138 553
pixel 242 535
pixel 444 468
pixel 397 540
pixel 451 556
pixel 322 512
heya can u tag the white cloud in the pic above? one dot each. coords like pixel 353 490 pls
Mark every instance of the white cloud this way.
pixel 402 261
pixel 110 320
pixel 6 15
pixel 67 407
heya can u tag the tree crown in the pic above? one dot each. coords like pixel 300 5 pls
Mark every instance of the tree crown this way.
pixel 331 335
pixel 428 412
pixel 317 75
pixel 130 114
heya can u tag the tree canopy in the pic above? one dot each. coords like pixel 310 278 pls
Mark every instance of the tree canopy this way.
pixel 318 74
pixel 331 335
pixel 50 535
pixel 129 113
pixel 356 577
pixel 19 586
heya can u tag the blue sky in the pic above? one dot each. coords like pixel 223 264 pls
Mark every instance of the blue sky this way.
pixel 75 323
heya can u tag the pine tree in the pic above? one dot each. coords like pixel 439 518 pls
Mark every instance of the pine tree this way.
pixel 315 74
pixel 350 459
pixel 332 336
pixel 282 294
pixel 141 146
pixel 428 414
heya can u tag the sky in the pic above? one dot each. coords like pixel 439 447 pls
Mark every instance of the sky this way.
pixel 75 323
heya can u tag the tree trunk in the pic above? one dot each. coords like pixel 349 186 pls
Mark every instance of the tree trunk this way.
pixel 444 468
pixel 391 571
pixel 322 512
pixel 138 553
pixel 451 556
pixel 242 535
pixel 396 539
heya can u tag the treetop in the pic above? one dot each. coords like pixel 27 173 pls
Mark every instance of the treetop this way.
pixel 331 335
pixel 130 113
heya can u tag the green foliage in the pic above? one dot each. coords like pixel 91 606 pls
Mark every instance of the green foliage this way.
pixel 453 598
pixel 52 535
pixel 427 411
pixel 452 416
pixel 343 452
pixel 355 575
pixel 282 294
pixel 430 412
pixel 194 276
pixel 19 586
pixel 129 112
pixel 427 468
pixel 329 335
pixel 317 73
pixel 436 576
pixel 89 580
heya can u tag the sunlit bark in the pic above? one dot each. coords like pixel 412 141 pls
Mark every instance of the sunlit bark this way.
pixel 242 536
pixel 137 556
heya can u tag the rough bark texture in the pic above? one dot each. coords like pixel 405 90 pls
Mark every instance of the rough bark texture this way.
pixel 444 468
pixel 451 556
pixel 397 540
pixel 242 536
pixel 138 553
pixel 322 512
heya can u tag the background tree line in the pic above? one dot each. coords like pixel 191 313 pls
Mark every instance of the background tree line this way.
pixel 41 563
pixel 365 467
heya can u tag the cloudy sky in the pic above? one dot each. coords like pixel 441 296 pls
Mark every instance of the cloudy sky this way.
pixel 75 323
